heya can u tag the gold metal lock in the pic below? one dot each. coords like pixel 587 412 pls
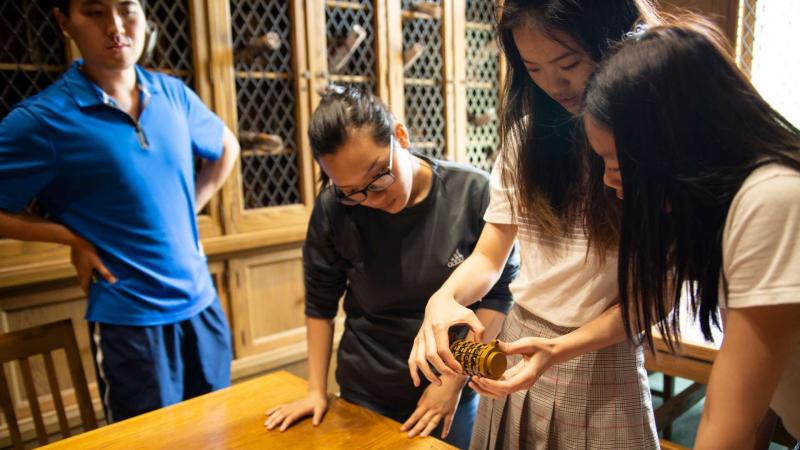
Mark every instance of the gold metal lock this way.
pixel 483 360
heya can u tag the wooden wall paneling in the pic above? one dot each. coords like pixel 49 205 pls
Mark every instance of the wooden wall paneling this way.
pixel 394 69
pixel 459 121
pixel 221 70
pixel 209 221
pixel 302 111
pixel 267 301
pixel 293 357
pixel 382 84
pixel 449 76
pixel 317 73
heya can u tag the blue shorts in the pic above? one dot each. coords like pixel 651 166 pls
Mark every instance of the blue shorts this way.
pixel 140 369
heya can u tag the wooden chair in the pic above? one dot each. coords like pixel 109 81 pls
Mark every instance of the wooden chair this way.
pixel 44 339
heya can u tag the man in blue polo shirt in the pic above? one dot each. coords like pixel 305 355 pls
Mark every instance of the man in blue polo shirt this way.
pixel 108 151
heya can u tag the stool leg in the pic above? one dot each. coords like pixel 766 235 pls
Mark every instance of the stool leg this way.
pixel 669 390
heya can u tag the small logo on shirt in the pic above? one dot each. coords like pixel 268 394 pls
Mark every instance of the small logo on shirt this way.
pixel 456 259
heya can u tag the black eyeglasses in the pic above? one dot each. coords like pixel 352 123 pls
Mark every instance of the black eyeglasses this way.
pixel 380 183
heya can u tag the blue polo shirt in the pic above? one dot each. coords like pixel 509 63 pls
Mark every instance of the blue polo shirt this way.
pixel 126 187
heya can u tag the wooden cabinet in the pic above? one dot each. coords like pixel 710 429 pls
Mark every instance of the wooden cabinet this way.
pixel 268 305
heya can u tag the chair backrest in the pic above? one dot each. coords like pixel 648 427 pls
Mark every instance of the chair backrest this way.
pixel 44 339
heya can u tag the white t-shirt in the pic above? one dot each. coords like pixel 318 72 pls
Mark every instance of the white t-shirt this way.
pixel 556 281
pixel 761 263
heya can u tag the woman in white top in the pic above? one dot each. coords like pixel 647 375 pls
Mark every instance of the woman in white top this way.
pixel 710 176
pixel 576 382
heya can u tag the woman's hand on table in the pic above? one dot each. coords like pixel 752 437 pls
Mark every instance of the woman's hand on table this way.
pixel 314 404
pixel 437 404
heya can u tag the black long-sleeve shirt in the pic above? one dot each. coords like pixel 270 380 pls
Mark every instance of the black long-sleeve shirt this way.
pixel 388 266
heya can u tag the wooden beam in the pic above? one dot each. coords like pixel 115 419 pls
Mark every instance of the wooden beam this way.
pixel 679 404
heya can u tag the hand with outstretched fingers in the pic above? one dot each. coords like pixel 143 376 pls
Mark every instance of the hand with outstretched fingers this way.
pixel 432 344
pixel 314 404
pixel 438 404
pixel 538 355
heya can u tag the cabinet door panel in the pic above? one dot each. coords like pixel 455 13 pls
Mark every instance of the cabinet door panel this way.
pixel 268 301
pixel 478 67
pixel 427 77
pixel 259 57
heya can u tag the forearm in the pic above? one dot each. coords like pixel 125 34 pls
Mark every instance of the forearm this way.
pixel 212 174
pixel 747 369
pixel 492 320
pixel 603 331
pixel 24 227
pixel 320 345
pixel 471 280
pixel 481 270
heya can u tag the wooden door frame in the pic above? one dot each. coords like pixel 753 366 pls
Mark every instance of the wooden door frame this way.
pixel 235 218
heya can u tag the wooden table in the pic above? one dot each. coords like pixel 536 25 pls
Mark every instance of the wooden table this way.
pixel 233 418
pixel 693 358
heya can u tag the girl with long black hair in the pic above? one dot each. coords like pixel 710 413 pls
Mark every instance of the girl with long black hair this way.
pixel 574 382
pixel 709 175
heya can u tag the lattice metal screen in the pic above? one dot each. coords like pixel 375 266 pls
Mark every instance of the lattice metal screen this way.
pixel 172 53
pixel 766 49
pixel 266 102
pixel 424 98
pixel 345 22
pixel 32 53
pixel 482 84
pixel 480 11
pixel 32 56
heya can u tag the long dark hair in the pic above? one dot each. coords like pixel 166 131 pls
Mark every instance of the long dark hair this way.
pixel 689 129
pixel 541 157
pixel 342 110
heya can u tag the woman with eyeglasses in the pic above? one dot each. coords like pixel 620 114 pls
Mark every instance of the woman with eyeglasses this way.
pixel 387 229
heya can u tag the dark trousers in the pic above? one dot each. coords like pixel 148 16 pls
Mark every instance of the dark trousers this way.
pixel 460 429
pixel 140 369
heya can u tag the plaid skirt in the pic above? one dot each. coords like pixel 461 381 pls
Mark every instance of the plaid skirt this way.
pixel 600 400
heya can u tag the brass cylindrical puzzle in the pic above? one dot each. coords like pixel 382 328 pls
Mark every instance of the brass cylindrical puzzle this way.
pixel 483 360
